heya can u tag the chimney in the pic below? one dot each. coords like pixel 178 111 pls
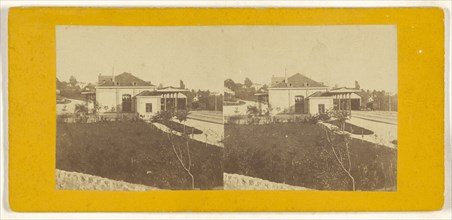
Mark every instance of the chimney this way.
pixel 113 74
pixel 285 76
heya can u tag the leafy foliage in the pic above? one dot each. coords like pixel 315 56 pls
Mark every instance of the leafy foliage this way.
pixel 297 154
pixel 243 91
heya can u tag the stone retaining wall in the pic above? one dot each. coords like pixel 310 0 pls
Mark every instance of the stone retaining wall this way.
pixel 66 180
pixel 242 182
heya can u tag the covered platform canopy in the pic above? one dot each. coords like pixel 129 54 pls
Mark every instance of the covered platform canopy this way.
pixel 344 95
pixel 171 96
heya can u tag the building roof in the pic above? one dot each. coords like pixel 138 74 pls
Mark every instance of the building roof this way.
pixel 228 90
pixel 123 79
pixel 298 81
pixel 160 92
pixel 88 93
pixel 261 94
pixel 334 92
pixel 343 90
pixel 171 89
pixel 276 79
pixel 319 94
pixel 149 93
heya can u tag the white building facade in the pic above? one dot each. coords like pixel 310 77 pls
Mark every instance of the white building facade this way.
pixel 126 93
pixel 299 94
pixel 289 95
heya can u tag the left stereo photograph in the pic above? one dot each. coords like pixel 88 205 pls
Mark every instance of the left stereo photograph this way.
pixel 137 110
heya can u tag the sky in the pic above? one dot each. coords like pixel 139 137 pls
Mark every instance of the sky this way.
pixel 204 56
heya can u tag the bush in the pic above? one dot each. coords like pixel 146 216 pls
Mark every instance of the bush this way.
pixel 313 119
pixel 324 117
pixel 233 119
pixel 162 116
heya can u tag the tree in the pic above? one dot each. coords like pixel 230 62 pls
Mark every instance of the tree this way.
pixel 248 83
pixel 89 87
pixel 338 139
pixel 182 116
pixel 73 81
pixel 182 85
pixel 252 112
pixel 97 108
pixel 230 84
pixel 165 117
pixel 80 112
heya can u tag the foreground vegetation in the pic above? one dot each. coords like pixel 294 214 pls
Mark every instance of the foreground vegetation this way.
pixel 299 154
pixel 135 152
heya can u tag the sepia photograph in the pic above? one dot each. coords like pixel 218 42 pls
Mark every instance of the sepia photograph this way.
pixel 138 108
pixel 311 108
pixel 227 108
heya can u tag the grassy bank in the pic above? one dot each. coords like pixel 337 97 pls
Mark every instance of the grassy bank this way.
pixel 298 154
pixel 134 152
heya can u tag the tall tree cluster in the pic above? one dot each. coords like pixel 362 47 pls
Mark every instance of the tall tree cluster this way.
pixel 243 91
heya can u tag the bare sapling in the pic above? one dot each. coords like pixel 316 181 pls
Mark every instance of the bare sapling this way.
pixel 182 116
pixel 335 138
pixel 165 117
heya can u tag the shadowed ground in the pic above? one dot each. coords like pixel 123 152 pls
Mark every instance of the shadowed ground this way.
pixel 135 152
pixel 297 154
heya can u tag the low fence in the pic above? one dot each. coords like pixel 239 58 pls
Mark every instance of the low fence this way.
pixel 66 180
pixel 242 182
pixel 87 118
pixel 246 119
pixel 232 103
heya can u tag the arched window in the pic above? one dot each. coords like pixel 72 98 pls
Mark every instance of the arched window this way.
pixel 126 103
pixel 299 104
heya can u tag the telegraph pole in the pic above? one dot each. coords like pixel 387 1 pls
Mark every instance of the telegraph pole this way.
pixel 215 102
pixel 389 98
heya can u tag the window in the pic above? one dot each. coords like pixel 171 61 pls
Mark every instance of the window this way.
pixel 148 107
pixel 299 99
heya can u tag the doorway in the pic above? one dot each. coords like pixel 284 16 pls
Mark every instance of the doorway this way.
pixel 126 103
pixel 299 104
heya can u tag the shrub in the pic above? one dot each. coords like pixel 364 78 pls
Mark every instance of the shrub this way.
pixel 162 116
pixel 324 117
pixel 312 119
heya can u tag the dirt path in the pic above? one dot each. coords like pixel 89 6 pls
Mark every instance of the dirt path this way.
pixel 242 182
pixel 211 133
pixel 66 180
pixel 383 135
